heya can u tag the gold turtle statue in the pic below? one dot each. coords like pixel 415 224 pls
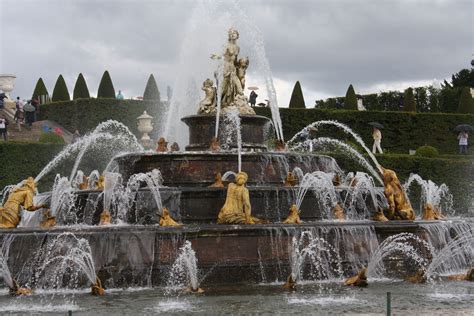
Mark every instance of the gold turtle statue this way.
pixel 10 212
pixel 359 280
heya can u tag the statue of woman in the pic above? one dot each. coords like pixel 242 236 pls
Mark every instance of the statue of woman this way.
pixel 237 208
pixel 10 213
pixel 231 84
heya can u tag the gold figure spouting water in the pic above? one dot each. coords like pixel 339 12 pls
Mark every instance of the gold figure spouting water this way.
pixel 291 180
pixel 97 289
pixel 359 280
pixel 10 212
pixel 431 212
pixel 17 290
pixel 237 208
pixel 100 183
pixel 293 216
pixel 166 219
pixel 338 212
pixel 218 182
pixel 399 206
pixel 48 220
pixel 105 218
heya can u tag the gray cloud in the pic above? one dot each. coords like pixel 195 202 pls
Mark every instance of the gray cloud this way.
pixel 324 44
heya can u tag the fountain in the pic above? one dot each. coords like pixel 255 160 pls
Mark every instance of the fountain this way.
pixel 132 221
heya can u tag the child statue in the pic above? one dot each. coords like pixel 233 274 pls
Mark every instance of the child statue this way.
pixel 237 208
pixel 242 65
pixel 208 104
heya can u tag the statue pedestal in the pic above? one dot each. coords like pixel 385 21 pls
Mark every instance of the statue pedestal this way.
pixel 202 129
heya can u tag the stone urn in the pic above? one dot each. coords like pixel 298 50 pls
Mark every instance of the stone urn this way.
pixel 145 126
pixel 7 83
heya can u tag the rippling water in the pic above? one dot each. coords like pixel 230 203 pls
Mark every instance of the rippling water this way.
pixel 453 298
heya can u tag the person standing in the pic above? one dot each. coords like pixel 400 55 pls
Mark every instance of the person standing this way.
pixel 377 136
pixel 463 137
pixel 4 127
pixel 120 95
pixel 253 98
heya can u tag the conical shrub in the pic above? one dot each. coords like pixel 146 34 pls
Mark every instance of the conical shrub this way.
pixel 80 89
pixel 106 87
pixel 40 90
pixel 297 99
pixel 466 104
pixel 60 92
pixel 151 90
pixel 350 101
pixel 409 104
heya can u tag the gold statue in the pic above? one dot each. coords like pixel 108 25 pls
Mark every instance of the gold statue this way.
pixel 469 276
pixel 290 284
pixel 84 185
pixel 359 280
pixel 280 145
pixel 237 208
pixel 338 212
pixel 399 207
pixel 293 216
pixel 166 219
pixel 16 290
pixel 208 104
pixel 194 291
pixel 218 183
pixel 97 289
pixel 162 145
pixel 105 218
pixel 100 183
pixel 418 278
pixel 291 180
pixel 336 180
pixel 380 216
pixel 431 212
pixel 215 145
pixel 10 213
pixel 48 220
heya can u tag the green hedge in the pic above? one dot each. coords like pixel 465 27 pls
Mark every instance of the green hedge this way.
pixel 456 173
pixel 403 131
pixel 85 114
pixel 21 160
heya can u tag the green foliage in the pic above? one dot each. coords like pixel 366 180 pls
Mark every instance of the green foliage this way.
pixel 409 104
pixel 466 105
pixel 297 99
pixel 80 89
pixel 85 114
pixel 40 89
pixel 24 160
pixel 464 78
pixel 350 101
pixel 60 92
pixel 427 151
pixel 151 90
pixel 403 130
pixel 106 87
pixel 50 138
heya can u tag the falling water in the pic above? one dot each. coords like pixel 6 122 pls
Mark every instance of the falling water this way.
pixel 67 258
pixel 184 271
pixel 438 196
pixel 112 190
pixel 305 132
pixel 309 251
pixel 361 185
pixel 404 246
pixel 232 127
pixel 349 150
pixel 62 197
pixel 93 178
pixel 321 185
pixel 210 20
pixel 4 255
pixel 228 174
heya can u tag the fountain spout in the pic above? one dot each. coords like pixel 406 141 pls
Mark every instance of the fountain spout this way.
pixel 97 289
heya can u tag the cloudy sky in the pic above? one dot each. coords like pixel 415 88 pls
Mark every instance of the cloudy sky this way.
pixel 326 45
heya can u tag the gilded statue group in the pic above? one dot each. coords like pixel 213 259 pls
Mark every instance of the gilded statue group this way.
pixel 233 82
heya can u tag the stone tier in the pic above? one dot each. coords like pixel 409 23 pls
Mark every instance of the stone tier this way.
pixel 202 129
pixel 198 169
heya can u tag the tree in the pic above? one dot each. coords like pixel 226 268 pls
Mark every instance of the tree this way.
pixel 40 90
pixel 465 101
pixel 464 78
pixel 60 92
pixel 151 90
pixel 106 87
pixel 350 102
pixel 80 89
pixel 297 99
pixel 409 104
pixel 421 99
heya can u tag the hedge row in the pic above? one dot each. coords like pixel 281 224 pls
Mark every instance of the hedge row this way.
pixel 85 114
pixel 403 131
pixel 21 160
pixel 457 174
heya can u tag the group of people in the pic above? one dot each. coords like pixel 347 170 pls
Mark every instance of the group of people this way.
pixel 463 137
pixel 26 113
